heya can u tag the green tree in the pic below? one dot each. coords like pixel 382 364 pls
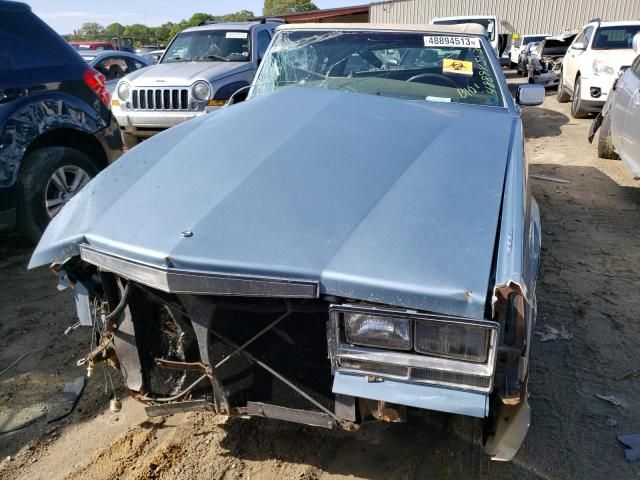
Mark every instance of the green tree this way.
pixel 199 18
pixel 91 29
pixel 114 29
pixel 163 32
pixel 240 16
pixel 136 30
pixel 282 7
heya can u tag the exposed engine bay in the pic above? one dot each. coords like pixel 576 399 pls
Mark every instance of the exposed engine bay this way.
pixel 299 360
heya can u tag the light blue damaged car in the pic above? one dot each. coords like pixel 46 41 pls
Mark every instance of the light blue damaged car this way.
pixel 355 241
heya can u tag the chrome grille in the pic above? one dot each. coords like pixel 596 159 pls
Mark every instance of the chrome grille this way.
pixel 160 99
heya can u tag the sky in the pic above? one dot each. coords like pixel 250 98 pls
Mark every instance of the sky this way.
pixel 65 16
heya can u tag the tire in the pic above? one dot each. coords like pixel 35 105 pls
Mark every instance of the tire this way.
pixel 129 140
pixel 45 173
pixel 562 96
pixel 576 102
pixel 605 145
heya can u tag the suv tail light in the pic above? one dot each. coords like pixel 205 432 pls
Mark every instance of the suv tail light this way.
pixel 98 83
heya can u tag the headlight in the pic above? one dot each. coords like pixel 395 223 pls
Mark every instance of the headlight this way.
pixel 377 331
pixel 458 341
pixel 201 91
pixel 601 68
pixel 124 91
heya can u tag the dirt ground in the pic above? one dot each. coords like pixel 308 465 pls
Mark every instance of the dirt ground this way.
pixel 588 284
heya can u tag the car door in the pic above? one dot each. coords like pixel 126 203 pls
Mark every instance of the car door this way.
pixel 631 130
pixel 620 102
pixel 572 59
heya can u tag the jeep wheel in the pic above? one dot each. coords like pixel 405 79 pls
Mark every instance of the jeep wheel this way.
pixel 562 95
pixel 605 144
pixel 577 110
pixel 50 177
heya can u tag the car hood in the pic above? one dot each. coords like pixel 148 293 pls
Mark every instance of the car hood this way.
pixel 185 73
pixel 615 58
pixel 372 198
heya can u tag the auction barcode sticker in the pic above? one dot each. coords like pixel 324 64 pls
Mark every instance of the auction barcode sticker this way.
pixel 236 35
pixel 447 41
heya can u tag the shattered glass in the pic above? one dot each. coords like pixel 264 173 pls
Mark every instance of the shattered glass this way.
pixel 390 64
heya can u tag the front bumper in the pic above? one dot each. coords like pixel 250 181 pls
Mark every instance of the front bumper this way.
pixel 547 79
pixel 148 123
pixel 595 91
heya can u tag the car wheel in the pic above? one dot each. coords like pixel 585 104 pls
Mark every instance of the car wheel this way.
pixel 562 95
pixel 129 140
pixel 576 102
pixel 49 178
pixel 605 143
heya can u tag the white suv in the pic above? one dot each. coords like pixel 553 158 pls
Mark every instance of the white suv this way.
pixel 592 63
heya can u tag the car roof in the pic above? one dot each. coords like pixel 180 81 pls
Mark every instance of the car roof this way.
pixel 465 17
pixel 228 26
pixel 466 28
pixel 14 6
pixel 615 24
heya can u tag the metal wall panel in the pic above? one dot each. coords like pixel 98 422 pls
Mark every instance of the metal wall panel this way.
pixel 526 16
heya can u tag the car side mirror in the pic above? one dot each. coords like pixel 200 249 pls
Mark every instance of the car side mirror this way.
pixel 238 96
pixel 579 46
pixel 636 43
pixel 530 95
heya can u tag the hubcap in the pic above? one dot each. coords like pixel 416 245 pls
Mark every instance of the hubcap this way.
pixel 62 186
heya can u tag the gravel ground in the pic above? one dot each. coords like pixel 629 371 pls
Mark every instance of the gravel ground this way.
pixel 588 286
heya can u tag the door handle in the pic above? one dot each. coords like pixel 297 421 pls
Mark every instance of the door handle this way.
pixel 636 100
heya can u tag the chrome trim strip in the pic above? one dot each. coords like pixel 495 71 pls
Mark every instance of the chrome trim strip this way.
pixel 339 349
pixel 173 280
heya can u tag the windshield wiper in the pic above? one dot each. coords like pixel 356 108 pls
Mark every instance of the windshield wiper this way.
pixel 217 57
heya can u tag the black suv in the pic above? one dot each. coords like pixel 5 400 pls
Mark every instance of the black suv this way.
pixel 56 128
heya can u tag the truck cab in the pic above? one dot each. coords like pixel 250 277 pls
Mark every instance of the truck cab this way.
pixel 489 22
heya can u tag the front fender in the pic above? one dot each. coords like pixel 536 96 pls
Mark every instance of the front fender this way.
pixel 32 116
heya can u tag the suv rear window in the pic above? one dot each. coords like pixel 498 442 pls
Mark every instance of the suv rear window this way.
pixel 27 42
pixel 618 37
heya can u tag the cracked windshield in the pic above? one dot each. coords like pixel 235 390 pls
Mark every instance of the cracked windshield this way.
pixel 410 66
pixel 209 46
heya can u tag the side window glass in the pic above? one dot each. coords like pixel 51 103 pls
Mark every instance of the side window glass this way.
pixel 581 38
pixel 113 68
pixel 134 64
pixel 636 66
pixel 264 39
pixel 587 34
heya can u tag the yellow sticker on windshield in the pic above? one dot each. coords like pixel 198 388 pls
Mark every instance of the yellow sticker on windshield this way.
pixel 450 65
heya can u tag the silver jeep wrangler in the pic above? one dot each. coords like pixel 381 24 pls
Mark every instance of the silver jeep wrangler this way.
pixel 200 69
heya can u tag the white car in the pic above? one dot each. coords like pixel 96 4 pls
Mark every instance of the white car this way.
pixel 592 63
pixel 520 44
